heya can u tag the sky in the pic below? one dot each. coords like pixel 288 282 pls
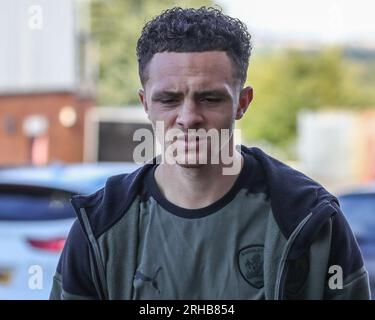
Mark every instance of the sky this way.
pixel 326 21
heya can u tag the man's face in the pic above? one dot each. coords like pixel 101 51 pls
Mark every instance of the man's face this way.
pixel 193 91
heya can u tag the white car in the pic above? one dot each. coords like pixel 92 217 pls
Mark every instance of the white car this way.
pixel 35 218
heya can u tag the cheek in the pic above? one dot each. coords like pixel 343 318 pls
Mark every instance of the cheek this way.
pixel 166 117
pixel 222 119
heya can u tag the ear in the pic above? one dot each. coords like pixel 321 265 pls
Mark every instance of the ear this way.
pixel 142 98
pixel 246 96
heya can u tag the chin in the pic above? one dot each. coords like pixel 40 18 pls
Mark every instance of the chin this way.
pixel 189 160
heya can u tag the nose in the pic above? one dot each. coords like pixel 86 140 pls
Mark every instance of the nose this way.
pixel 189 116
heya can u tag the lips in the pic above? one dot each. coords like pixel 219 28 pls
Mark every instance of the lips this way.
pixel 191 140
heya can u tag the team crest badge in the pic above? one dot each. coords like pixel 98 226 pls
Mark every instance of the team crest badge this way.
pixel 250 263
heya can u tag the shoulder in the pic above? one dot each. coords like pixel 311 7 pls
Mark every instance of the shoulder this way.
pixel 106 206
pixel 292 194
pixel 344 247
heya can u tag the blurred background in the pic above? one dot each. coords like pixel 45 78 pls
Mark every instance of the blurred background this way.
pixel 69 107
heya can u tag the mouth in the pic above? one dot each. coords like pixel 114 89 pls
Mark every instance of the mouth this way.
pixel 189 142
pixel 190 138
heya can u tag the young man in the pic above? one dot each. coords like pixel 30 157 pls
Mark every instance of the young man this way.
pixel 186 230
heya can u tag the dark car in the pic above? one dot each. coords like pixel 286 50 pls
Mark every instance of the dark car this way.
pixel 359 209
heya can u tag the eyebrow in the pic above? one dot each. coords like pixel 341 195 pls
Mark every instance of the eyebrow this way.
pixel 166 94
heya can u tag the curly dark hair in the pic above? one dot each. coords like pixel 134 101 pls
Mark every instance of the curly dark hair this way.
pixel 195 30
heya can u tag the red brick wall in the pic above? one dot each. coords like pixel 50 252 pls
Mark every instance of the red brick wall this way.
pixel 65 144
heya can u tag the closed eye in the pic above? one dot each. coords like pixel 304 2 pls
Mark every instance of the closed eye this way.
pixel 212 97
pixel 168 101
pixel 212 100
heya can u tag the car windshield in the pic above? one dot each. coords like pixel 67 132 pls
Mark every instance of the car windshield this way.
pixel 359 209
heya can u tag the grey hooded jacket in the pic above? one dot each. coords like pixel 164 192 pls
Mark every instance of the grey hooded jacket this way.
pixel 306 228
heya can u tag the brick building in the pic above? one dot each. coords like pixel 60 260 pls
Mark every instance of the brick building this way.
pixel 46 80
pixel 60 118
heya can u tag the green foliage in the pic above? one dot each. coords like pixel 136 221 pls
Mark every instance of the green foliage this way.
pixel 288 81
pixel 116 27
pixel 284 82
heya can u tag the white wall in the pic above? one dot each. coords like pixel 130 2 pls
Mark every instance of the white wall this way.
pixel 37 55
pixel 326 145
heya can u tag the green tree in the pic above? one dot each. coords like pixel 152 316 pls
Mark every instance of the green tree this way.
pixel 286 82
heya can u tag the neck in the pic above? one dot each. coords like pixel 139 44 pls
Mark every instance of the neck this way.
pixel 195 187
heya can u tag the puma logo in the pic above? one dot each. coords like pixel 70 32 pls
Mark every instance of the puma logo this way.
pixel 140 276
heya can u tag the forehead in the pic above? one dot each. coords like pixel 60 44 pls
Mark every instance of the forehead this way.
pixel 212 68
